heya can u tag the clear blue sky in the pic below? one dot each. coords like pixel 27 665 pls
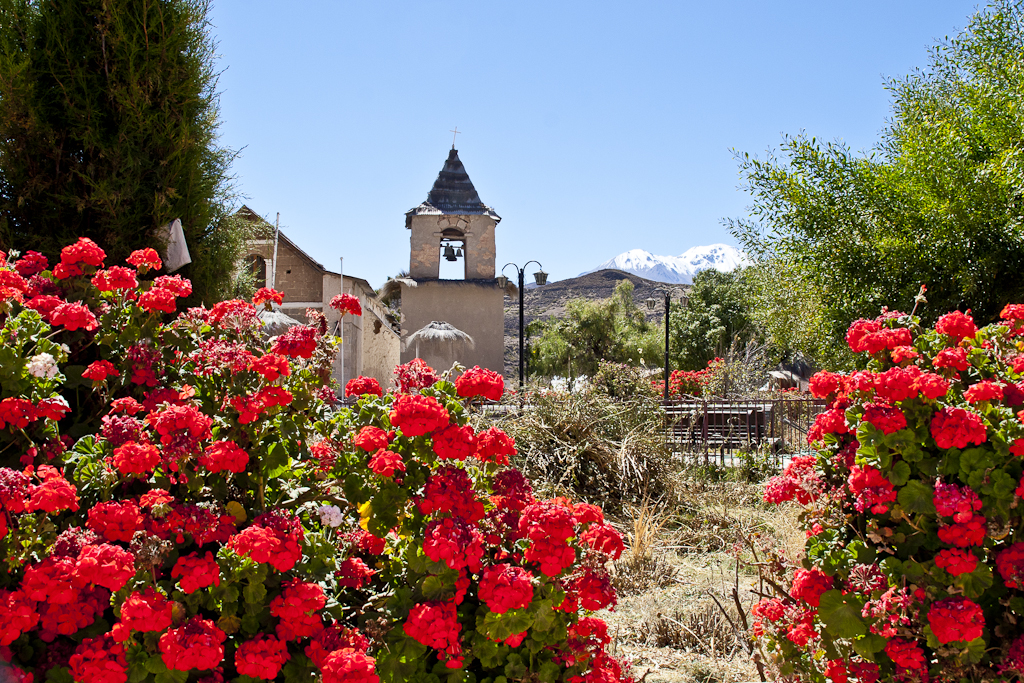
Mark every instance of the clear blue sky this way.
pixel 590 127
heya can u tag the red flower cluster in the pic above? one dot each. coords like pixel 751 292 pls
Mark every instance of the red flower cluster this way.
pixel 73 317
pixel 504 587
pixel 143 611
pixel 957 325
pixel 386 463
pixel 372 439
pixel 809 584
pixel 548 526
pixel 266 295
pixel 182 426
pixel 906 654
pixel 454 442
pixel 348 666
pixel 224 455
pixel 271 366
pixel 414 375
pixel 964 534
pixel 273 538
pixel 363 385
pixel 955 358
pixel 1010 563
pixel 55 493
pixel 72 257
pixel 100 370
pixel 115 278
pixel 136 458
pixel 298 341
pixel 984 391
pixel 346 303
pixel 194 572
pixel 353 573
pixel 959 502
pixel 798 480
pixel 261 657
pixel 436 625
pixel 449 489
pixel 98 660
pixel 31 263
pixel 956 562
pixel 871 489
pixel 479 381
pixel 604 539
pixel 145 259
pixel 455 542
pixel 956 619
pixel 115 521
pixel 885 418
pixel 956 428
pixel 832 421
pixel 196 644
pixel 589 590
pixel 823 384
pixel 164 294
pixel 494 445
pixel 871 336
pixel 298 608
pixel 416 415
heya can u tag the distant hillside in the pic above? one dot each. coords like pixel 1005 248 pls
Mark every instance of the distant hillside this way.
pixel 549 302
pixel 677 269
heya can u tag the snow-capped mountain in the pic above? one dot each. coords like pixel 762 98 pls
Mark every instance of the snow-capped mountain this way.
pixel 676 269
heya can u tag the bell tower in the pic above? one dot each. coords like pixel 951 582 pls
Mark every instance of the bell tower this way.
pixel 454 224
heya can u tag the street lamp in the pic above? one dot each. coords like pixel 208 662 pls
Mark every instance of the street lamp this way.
pixel 652 303
pixel 541 278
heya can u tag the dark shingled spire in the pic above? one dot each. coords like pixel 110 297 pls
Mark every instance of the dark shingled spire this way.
pixel 453 193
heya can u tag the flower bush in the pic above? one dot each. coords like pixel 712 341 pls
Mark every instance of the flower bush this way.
pixel 180 500
pixel 914 559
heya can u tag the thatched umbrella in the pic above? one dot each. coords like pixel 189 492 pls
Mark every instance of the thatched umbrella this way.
pixel 276 322
pixel 441 341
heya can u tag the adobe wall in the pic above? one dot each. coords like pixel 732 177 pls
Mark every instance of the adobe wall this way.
pixel 425 245
pixel 476 308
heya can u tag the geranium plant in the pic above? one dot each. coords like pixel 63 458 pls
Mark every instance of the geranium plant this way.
pixel 181 500
pixel 914 562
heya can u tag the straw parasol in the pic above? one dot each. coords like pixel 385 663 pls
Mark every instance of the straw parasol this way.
pixel 440 339
pixel 276 322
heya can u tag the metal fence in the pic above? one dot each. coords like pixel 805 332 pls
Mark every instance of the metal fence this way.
pixel 720 430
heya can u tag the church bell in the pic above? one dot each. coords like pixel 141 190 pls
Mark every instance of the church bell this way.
pixel 449 253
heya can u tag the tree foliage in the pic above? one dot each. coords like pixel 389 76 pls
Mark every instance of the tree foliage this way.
pixel 936 202
pixel 612 329
pixel 108 129
pixel 717 315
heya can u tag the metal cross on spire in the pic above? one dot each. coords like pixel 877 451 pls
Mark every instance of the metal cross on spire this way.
pixel 454 132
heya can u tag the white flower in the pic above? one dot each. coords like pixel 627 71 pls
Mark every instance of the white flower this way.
pixel 44 365
pixel 331 515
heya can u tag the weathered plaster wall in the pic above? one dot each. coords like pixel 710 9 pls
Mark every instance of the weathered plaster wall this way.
pixel 425 242
pixel 480 249
pixel 473 307
pixel 425 245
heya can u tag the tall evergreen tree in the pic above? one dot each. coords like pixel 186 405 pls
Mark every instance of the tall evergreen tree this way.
pixel 108 129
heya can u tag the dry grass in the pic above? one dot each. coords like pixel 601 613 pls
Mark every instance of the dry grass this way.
pixel 677 619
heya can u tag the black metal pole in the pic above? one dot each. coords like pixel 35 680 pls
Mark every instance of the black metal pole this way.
pixel 668 299
pixel 522 358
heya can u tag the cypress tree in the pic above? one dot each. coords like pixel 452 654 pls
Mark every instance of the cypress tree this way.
pixel 108 129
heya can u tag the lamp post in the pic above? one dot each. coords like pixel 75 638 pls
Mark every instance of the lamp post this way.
pixel 651 305
pixel 541 278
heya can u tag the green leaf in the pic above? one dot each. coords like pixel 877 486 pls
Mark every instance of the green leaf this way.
pixel 433 587
pixel 841 614
pixel 172 676
pixel 549 672
pixel 975 583
pixel 917 498
pixel 255 593
pixel 899 474
pixel 867 646
pixel 155 665
pixel 975 651
pixel 516 667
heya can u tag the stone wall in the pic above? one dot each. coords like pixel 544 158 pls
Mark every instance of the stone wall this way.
pixel 425 245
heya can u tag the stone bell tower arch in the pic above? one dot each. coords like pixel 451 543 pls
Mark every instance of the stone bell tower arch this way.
pixel 454 224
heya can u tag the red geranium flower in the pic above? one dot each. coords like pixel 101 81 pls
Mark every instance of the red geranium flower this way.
pixel 196 644
pixel 115 278
pixel 83 251
pixel 266 295
pixel 31 263
pixel 956 619
pixel 417 415
pixel 363 385
pixel 271 366
pixel 957 325
pixel 386 463
pixel 144 259
pixel 479 381
pixel 346 303
pixel 99 370
pixel 73 317
pixel 956 427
